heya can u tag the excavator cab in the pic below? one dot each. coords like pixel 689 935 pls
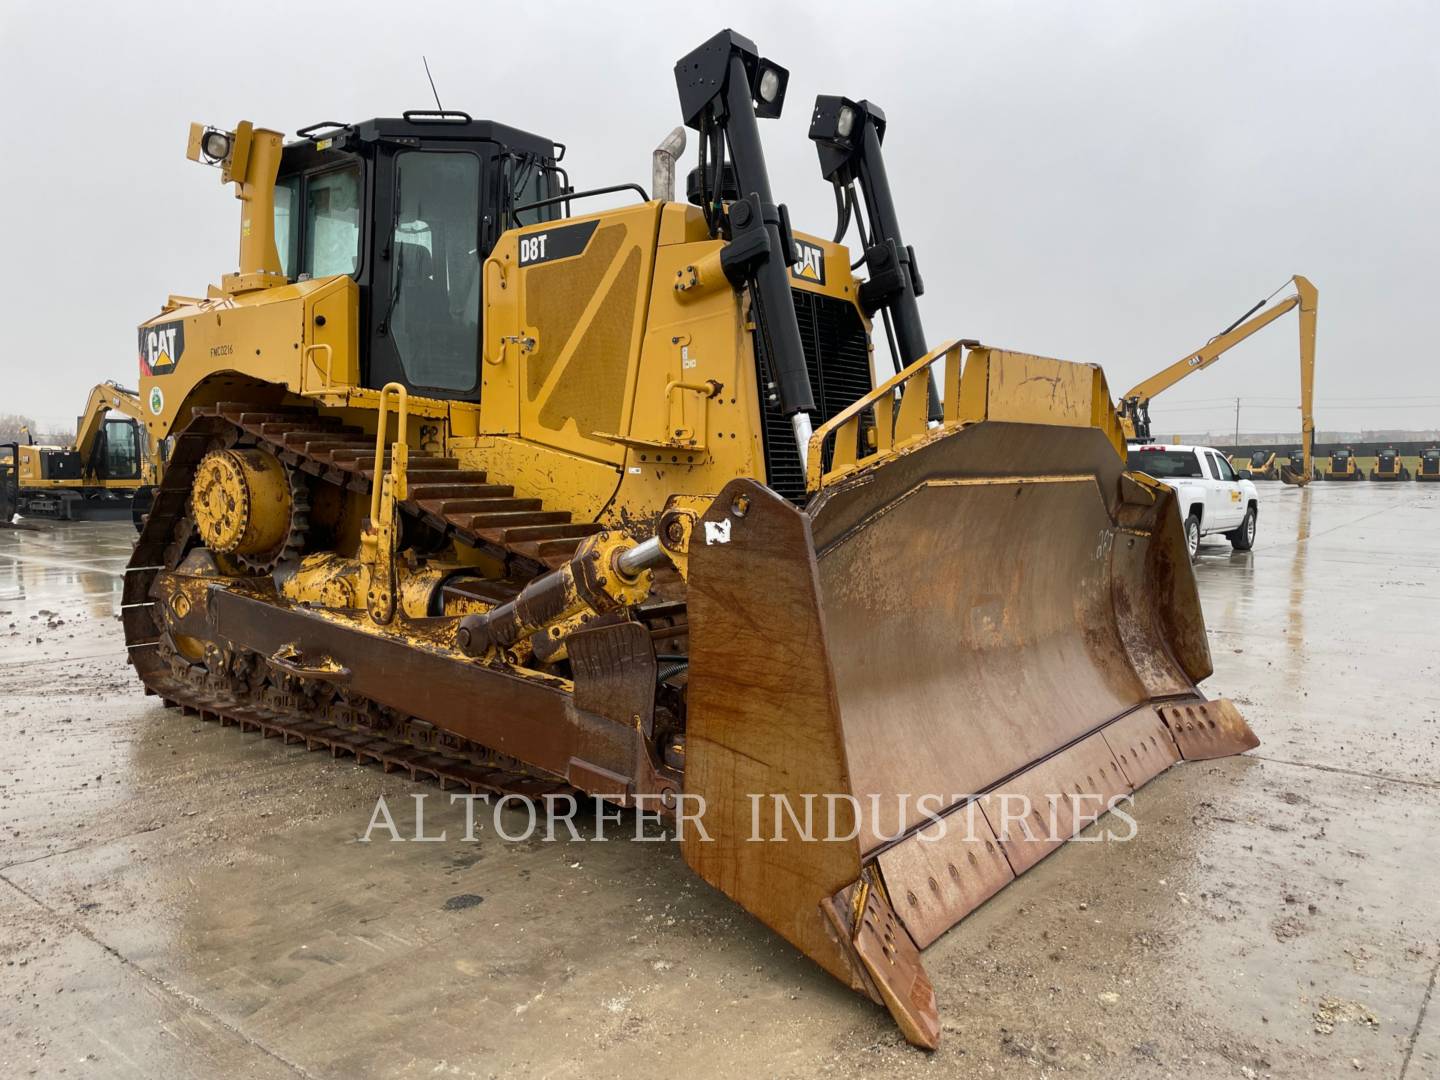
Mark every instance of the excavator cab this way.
pixel 409 208
pixel 118 454
pixel 114 455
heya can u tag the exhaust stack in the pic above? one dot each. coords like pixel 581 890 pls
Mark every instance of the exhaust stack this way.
pixel 662 165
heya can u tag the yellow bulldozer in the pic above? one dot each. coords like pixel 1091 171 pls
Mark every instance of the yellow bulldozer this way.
pixel 474 484
pixel 109 471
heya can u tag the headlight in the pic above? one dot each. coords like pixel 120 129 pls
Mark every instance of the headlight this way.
pixel 769 86
pixel 215 145
pixel 845 122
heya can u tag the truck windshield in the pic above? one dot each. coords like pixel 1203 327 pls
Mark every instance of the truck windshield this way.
pixel 1163 463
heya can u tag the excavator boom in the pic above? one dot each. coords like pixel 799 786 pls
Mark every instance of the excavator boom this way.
pixel 1134 406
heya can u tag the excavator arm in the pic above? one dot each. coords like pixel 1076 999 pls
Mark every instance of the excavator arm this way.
pixel 104 399
pixel 1135 404
pixel 1308 297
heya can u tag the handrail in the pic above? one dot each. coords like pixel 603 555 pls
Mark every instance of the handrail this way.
pixel 571 196
pixel 309 356
pixel 895 424
pixel 403 405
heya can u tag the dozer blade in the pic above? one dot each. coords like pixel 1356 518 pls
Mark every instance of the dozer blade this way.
pixel 912 692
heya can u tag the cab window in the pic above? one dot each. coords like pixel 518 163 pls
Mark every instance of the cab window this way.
pixel 122 450
pixel 1163 464
pixel 317 223
pixel 332 223
pixel 287 222
pixel 435 305
pixel 1223 471
pixel 529 182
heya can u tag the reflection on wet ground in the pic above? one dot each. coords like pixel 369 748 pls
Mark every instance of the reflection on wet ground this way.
pixel 178 899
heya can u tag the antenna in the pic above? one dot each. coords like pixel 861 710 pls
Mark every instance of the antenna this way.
pixel 432 83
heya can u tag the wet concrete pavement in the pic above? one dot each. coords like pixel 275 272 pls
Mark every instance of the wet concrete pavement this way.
pixel 180 900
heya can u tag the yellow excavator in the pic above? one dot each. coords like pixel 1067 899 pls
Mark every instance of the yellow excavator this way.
pixel 474 483
pixel 1134 406
pixel 107 473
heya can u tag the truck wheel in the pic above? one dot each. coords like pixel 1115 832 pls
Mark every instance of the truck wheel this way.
pixel 1243 538
pixel 1192 536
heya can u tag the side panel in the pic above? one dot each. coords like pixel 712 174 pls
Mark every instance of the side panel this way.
pixel 272 335
pixel 566 325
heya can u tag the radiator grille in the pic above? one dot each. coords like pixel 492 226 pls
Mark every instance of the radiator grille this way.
pixel 837 356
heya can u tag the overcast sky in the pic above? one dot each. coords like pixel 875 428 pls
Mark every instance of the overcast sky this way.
pixel 1107 182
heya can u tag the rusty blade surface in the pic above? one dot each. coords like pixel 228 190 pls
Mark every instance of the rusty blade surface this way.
pixel 1142 745
pixel 970 607
pixel 1048 803
pixel 939 875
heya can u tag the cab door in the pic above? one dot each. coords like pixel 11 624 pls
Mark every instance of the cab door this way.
pixel 120 450
pixel 1229 509
pixel 424 312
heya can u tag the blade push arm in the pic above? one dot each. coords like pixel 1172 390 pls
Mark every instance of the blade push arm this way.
pixel 847 135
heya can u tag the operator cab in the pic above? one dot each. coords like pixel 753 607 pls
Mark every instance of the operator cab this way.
pixel 116 455
pixel 117 452
pixel 410 207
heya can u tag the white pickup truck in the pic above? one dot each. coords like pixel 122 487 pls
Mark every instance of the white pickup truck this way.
pixel 1212 498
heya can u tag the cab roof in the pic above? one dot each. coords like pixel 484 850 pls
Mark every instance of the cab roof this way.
pixel 430 126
